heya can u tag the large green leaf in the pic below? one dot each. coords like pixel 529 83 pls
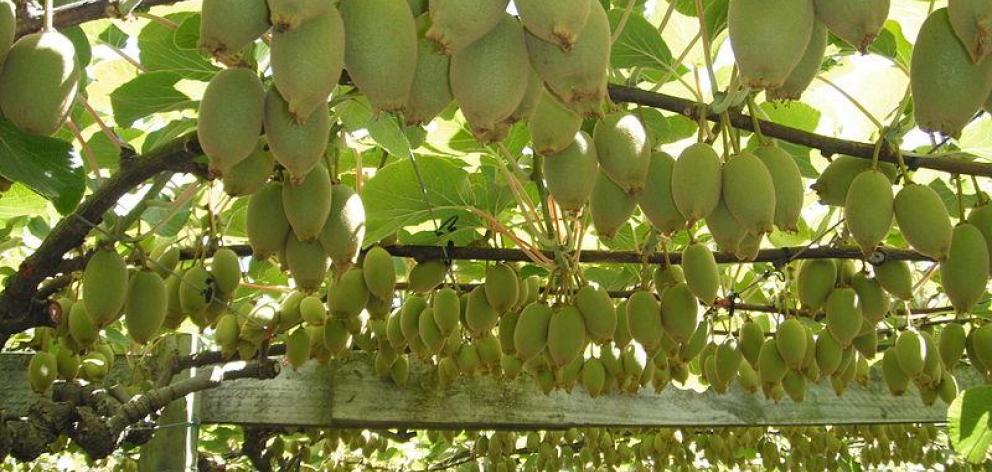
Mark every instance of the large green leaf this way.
pixel 46 165
pixel 968 419
pixel 159 51
pixel 714 11
pixel 639 44
pixel 394 199
pixel 20 201
pixel 147 94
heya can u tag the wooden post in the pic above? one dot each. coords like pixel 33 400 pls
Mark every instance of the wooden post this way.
pixel 173 447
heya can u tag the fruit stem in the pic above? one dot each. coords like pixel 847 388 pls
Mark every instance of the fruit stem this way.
pixel 877 152
pixel 623 21
pixel 753 112
pixel 49 15
pixel 707 47
pixel 978 191
pixel 960 188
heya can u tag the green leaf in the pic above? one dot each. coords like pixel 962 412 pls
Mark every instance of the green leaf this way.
pixel 639 45
pixel 107 154
pixel 48 166
pixel 114 36
pixel 893 44
pixel 167 133
pixel 968 423
pixel 20 201
pixel 147 94
pixel 388 134
pixel 666 129
pixel 394 199
pixel 188 34
pixel 84 52
pixel 714 11
pixel 159 51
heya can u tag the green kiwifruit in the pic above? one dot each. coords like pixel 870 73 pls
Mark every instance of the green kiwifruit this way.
pixel 336 336
pixel 307 204
pixel 623 148
pixel 226 270
pixel 951 345
pixel 644 320
pixel 67 363
pixel 872 299
pixel 502 287
pixel 250 175
pixel 749 193
pixel 265 221
pixel 696 181
pixel 868 209
pixel 924 221
pixel 531 334
pixel 145 306
pixel 426 275
pixel 344 230
pixel 164 259
pixel 577 76
pixel 532 95
pixel 972 23
pixel 430 93
pixel 460 23
pixel 816 280
pixel 766 55
pixel 312 310
pixel 948 88
pixel 593 376
pixel 656 201
pixel 867 343
pixel 81 326
pixel 751 337
pixel 857 22
pixel 806 70
pixel 8 26
pixel 965 272
pixel 667 276
pixel 380 274
pixel 726 231
pixel 566 336
pixel 788 184
pixel 790 339
pixel 409 319
pixel 553 126
pixel 896 278
pixel 794 385
pixel 381 50
pixel 507 327
pixel 174 310
pixel 42 370
pixel 701 273
pixel 307 263
pixel 447 310
pixel 298 348
pixel 298 146
pixel 910 352
pixel 105 282
pixel 348 293
pixel 836 179
pixel 829 354
pixel 230 118
pixel 489 79
pixel 981 342
pixel 749 247
pixel 196 290
pixel 771 367
pixel 598 312
pixel 621 335
pixel 38 82
pixel 679 312
pixel 429 332
pixel 228 26
pixel 610 206
pixel 307 61
pixel 571 174
pixel 555 21
pixel 286 15
pixel 480 316
pixel 981 217
pixel 844 318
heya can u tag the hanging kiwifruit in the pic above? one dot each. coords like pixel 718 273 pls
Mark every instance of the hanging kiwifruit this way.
pixel 38 82
pixel 766 55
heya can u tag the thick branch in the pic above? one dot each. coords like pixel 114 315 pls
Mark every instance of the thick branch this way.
pixel 960 163
pixel 80 12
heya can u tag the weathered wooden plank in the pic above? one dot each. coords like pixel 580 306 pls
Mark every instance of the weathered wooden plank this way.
pixel 173 447
pixel 15 393
pixel 347 393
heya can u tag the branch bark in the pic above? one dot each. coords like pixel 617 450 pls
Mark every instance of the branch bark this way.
pixel 78 13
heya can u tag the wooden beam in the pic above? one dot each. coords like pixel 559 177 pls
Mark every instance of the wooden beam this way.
pixel 346 393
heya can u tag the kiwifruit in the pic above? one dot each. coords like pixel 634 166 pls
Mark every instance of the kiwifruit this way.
pixel 766 56
pixel 577 76
pixel 948 87
pixel 250 175
pixel 502 287
pixel 379 272
pixel 806 70
pixel 771 367
pixel 667 276
pixel 701 273
pixel 489 78
pixel 951 344
pixel 532 95
pixel 697 181
pixel 751 337
pixel 621 335
pixel 571 173
pixel 598 312
pixel 426 275
pixel 566 335
pixel 105 282
pixel 297 145
pixel 553 126
pixel 307 263
pixel 144 310
pixel 67 363
pixel 965 272
pixel 459 23
pixel 623 148
pixel 868 209
pixel 836 179
pixel 896 278
pixel 298 348
pixel 788 183
pixel 344 230
pixel 844 318
pixel 644 320
pixel 381 50
pixel 265 221
pixel 749 193
pixel 816 280
pixel 829 353
pixel 447 310
pixel 81 326
pixel 348 293
pixel 923 220
pixel 8 26
pixel 726 231
pixel 872 299
pixel 38 82
pixel 306 62
pixel 228 26
pixel 856 22
pixel 531 334
pixel 981 343
pixel 230 118
pixel 196 291
pixel 286 15
pixel 981 217
pixel 610 206
pixel 679 312
pixel 307 203
pixel 790 340
pixel 656 201
pixel 480 316
pixel 226 270
pixel 910 352
pixel 42 370
pixel 555 21
pixel 593 377
pixel 430 93
pixel 971 22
